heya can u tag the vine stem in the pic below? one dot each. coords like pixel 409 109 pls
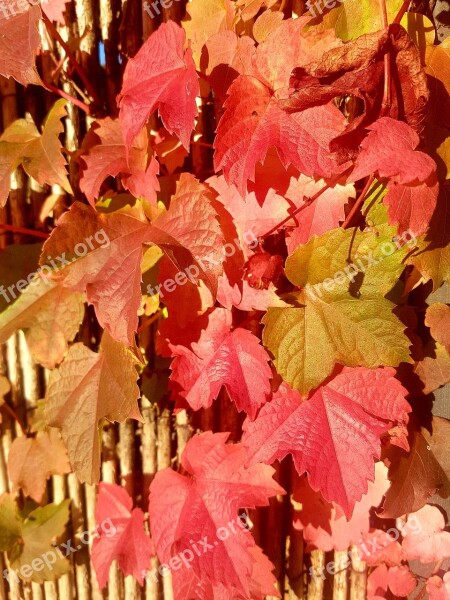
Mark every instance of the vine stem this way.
pixel 76 65
pixel 402 11
pixel 358 202
pixel 386 103
pixel 384 16
pixel 24 230
pixel 307 203
pixel 203 144
pixel 12 413
pixel 149 321
pixel 82 105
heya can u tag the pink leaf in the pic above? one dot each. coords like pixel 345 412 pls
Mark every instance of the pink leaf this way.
pixel 334 436
pixel 322 215
pixel 54 9
pixel 428 542
pixel 439 589
pixel 324 525
pixel 234 359
pixel 121 535
pixel 195 516
pixel 379 546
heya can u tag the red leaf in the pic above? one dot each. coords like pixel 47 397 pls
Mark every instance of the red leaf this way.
pixel 357 68
pixel 411 207
pixel 161 76
pixel 401 581
pixel 104 155
pixel 253 121
pixel 187 586
pixel 121 535
pixel 377 583
pixel 334 436
pixel 390 150
pixel 262 269
pixel 234 359
pixel 251 218
pixel 193 221
pixel 439 589
pixel 196 516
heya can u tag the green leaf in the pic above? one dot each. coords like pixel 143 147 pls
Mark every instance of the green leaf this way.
pixel 347 260
pixel 28 539
pixel 10 525
pixel 308 339
pixel 341 315
pixel 353 18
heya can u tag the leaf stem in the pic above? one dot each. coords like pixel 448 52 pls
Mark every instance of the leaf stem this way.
pixel 15 417
pixel 70 98
pixel 76 65
pixel 358 202
pixel 402 11
pixel 24 230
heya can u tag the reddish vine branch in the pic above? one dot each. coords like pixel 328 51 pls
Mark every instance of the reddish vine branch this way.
pixel 24 230
pixel 76 65
pixel 82 105
pixel 307 203
pixel 15 417
pixel 386 102
pixel 358 202
pixel 402 11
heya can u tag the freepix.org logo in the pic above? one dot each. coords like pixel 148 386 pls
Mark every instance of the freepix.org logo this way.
pixel 317 7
